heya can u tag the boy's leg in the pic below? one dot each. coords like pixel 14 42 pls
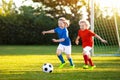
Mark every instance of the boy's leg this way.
pixel 92 66
pixel 60 56
pixel 85 59
pixel 59 53
pixel 86 55
pixel 70 59
pixel 90 62
pixel 62 61
pixel 68 55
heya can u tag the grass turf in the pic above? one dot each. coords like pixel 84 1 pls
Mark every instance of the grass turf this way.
pixel 25 63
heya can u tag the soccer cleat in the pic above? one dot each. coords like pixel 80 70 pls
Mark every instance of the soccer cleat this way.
pixel 85 66
pixel 62 65
pixel 72 67
pixel 92 67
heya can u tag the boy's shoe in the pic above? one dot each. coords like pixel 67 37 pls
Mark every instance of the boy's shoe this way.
pixel 92 67
pixel 85 66
pixel 72 67
pixel 62 65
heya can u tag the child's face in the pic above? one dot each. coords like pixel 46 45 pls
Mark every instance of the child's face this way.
pixel 61 24
pixel 83 26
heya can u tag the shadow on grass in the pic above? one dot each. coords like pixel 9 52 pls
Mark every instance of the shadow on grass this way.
pixel 68 75
pixel 108 70
pixel 107 67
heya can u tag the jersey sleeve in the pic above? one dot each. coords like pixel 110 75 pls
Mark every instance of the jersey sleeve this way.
pixel 91 33
pixel 55 30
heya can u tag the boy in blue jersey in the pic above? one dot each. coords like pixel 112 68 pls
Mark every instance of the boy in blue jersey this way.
pixel 64 41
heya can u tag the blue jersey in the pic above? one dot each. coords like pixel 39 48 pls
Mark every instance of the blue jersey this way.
pixel 63 33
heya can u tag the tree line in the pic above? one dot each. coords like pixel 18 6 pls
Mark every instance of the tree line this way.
pixel 24 26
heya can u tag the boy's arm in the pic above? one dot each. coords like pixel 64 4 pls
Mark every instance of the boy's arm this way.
pixel 102 40
pixel 77 40
pixel 47 32
pixel 58 40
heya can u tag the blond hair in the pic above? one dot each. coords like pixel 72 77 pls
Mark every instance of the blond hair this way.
pixel 67 22
pixel 86 22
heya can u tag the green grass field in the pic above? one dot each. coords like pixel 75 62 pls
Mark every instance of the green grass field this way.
pixel 25 63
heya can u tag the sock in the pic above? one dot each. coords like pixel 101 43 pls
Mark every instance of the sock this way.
pixel 71 62
pixel 85 59
pixel 90 61
pixel 61 58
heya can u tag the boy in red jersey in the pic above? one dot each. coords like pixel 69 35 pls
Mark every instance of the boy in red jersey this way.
pixel 86 36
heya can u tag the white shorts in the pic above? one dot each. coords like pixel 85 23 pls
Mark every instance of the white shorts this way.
pixel 65 49
pixel 87 50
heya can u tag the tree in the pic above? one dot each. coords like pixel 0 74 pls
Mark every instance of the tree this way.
pixel 67 8
pixel 7 8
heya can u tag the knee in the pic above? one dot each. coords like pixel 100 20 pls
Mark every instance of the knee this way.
pixel 86 53
pixel 58 52
pixel 68 56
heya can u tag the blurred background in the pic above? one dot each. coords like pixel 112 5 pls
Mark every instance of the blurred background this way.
pixel 22 21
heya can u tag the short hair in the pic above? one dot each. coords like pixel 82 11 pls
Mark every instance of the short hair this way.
pixel 86 22
pixel 62 18
pixel 65 21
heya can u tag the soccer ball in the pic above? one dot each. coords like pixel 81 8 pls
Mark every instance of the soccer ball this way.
pixel 47 67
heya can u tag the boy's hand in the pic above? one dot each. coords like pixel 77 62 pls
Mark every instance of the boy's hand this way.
pixel 44 32
pixel 104 41
pixel 77 42
pixel 54 40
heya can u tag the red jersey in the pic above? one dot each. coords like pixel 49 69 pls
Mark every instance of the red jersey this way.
pixel 86 37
